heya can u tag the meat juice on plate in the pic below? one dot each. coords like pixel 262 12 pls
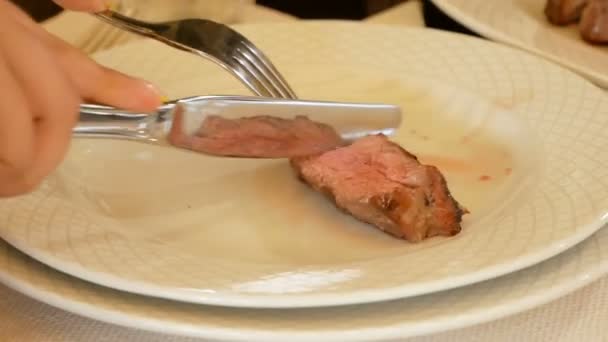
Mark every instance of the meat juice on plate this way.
pixel 474 140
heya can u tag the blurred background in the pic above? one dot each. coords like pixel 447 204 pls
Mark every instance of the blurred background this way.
pixel 306 9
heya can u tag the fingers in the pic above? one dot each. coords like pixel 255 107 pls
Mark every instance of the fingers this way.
pixel 119 90
pixel 43 81
pixel 94 82
pixel 16 136
pixel 47 101
pixel 98 84
pixel 16 13
pixel 83 5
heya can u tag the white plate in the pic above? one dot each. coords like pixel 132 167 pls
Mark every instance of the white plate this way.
pixel 522 23
pixel 180 226
pixel 397 320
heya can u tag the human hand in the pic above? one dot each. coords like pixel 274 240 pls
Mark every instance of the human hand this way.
pixel 44 80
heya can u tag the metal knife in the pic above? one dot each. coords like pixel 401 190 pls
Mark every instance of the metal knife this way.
pixel 186 116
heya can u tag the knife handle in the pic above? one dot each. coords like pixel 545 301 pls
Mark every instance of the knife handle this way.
pixel 107 122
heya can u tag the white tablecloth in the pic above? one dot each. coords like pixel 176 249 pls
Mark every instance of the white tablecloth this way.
pixel 581 316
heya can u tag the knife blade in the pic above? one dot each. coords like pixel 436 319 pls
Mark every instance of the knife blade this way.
pixel 181 124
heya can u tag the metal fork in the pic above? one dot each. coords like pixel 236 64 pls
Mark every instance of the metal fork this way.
pixel 216 42
pixel 107 34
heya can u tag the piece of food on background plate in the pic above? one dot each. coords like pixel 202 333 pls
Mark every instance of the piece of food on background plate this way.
pixel 594 22
pixel 564 12
pixel 591 16
pixel 378 182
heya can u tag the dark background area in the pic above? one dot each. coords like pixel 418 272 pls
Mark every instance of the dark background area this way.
pixel 305 9
pixel 336 9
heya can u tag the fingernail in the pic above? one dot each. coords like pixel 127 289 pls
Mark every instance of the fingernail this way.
pixel 111 5
pixel 159 94
pixel 152 87
pixel 99 6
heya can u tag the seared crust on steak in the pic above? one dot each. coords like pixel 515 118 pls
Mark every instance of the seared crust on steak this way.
pixel 380 183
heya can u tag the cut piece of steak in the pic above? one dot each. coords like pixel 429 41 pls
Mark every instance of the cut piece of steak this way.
pixel 594 22
pixel 379 182
pixel 564 12
pixel 264 137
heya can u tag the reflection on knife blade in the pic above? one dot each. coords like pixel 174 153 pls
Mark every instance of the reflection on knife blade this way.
pixel 253 127
pixel 256 137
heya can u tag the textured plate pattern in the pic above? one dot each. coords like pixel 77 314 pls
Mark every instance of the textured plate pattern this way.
pixel 245 233
pixel 522 23
pixel 434 313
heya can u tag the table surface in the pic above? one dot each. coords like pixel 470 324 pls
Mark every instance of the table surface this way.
pixel 580 316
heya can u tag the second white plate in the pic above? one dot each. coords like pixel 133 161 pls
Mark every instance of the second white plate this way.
pixel 396 320
pixel 522 23
pixel 521 141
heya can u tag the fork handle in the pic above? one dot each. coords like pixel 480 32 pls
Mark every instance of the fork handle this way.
pixel 131 24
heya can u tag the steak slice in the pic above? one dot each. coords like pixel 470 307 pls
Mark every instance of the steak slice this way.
pixel 564 12
pixel 594 22
pixel 263 137
pixel 380 183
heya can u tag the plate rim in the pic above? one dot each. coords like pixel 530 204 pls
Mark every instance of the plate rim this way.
pixel 482 28
pixel 591 273
pixel 273 301
pixel 281 301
